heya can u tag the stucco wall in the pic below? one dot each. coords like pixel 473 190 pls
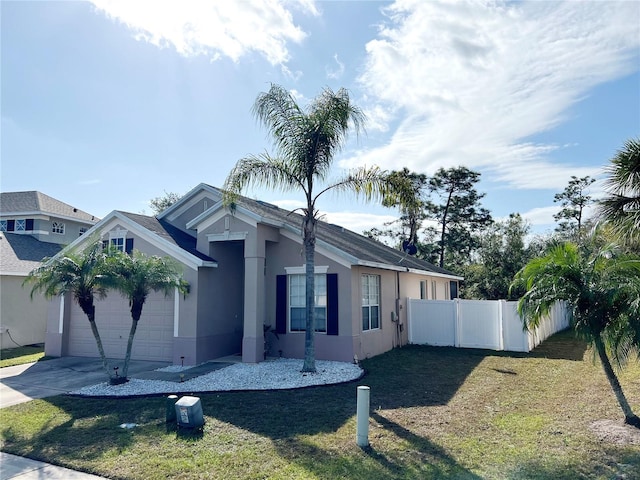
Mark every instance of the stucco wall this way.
pixel 25 319
pixel 289 253
pixel 193 211
pixel 71 230
pixel 220 303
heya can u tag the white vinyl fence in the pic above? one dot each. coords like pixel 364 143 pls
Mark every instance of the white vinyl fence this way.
pixel 490 324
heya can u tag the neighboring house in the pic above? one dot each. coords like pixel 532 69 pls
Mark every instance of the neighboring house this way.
pixel 246 271
pixel 32 226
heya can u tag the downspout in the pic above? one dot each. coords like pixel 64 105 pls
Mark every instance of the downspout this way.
pixel 397 312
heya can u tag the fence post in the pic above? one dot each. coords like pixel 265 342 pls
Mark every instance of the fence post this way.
pixel 409 320
pixel 501 307
pixel 456 322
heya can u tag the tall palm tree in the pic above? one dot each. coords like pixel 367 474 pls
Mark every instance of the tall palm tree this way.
pixel 406 191
pixel 79 274
pixel 305 141
pixel 621 206
pixel 135 276
pixel 603 293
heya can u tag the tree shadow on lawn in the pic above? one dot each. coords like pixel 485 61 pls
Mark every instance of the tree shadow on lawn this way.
pixel 416 457
pixel 93 429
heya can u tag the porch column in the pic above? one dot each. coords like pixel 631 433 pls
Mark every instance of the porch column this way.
pixel 253 339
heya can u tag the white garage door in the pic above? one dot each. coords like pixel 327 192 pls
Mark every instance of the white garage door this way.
pixel 154 336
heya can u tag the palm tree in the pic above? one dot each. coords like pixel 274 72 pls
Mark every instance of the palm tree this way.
pixel 305 141
pixel 406 191
pixel 622 205
pixel 603 293
pixel 80 275
pixel 135 276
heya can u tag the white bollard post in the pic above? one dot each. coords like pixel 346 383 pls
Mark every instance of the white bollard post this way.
pixel 362 416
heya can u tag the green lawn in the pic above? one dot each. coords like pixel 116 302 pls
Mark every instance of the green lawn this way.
pixel 436 413
pixel 21 355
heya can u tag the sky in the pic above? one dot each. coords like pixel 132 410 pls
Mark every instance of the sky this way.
pixel 108 104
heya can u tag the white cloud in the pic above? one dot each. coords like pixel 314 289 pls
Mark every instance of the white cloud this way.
pixel 357 221
pixel 92 181
pixel 354 221
pixel 541 215
pixel 222 28
pixel 470 82
pixel 335 73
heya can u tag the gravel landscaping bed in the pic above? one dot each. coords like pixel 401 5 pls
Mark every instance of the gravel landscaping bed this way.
pixel 280 374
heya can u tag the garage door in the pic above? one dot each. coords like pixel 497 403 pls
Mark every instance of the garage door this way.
pixel 154 336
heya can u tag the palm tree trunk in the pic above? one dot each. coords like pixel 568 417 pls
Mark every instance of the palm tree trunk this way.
pixel 90 312
pixel 630 418
pixel 309 336
pixel 127 357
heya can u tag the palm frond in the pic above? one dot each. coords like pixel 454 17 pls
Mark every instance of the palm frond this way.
pixel 263 171
pixel 369 183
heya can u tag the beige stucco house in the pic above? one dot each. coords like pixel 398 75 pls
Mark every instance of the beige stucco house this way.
pixel 32 226
pixel 246 271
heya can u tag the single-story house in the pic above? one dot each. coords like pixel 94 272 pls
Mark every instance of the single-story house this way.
pixel 32 226
pixel 246 271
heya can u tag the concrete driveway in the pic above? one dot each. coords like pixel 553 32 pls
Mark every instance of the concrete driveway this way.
pixel 60 375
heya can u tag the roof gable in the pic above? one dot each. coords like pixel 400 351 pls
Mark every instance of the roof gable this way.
pixel 356 248
pixel 171 240
pixel 32 202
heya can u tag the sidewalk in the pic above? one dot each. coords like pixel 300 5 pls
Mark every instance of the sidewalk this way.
pixel 13 467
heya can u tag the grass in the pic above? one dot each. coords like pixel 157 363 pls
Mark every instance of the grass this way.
pixel 435 413
pixel 21 355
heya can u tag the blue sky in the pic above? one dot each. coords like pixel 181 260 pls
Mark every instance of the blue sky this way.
pixel 106 105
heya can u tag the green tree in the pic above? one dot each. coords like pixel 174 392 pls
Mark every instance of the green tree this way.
pixel 135 276
pixel 78 275
pixel 501 254
pixel 602 290
pixel 406 192
pixel 160 204
pixel 458 212
pixel 305 141
pixel 621 206
pixel 573 199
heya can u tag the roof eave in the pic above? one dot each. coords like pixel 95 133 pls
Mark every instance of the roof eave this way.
pixel 174 250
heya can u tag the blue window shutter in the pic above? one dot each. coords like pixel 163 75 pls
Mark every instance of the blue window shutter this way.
pixel 128 245
pixel 281 304
pixel 332 304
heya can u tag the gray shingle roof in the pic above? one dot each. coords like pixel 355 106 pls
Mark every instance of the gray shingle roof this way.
pixel 23 253
pixel 33 201
pixel 169 233
pixel 354 244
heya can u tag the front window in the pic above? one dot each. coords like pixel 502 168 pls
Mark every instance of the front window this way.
pixel 83 230
pixel 7 225
pixel 423 290
pixel 118 243
pixel 370 302
pixel 57 227
pixel 297 303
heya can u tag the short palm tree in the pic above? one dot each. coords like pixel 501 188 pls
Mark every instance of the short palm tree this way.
pixel 603 292
pixel 135 276
pixel 621 206
pixel 78 274
pixel 305 141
